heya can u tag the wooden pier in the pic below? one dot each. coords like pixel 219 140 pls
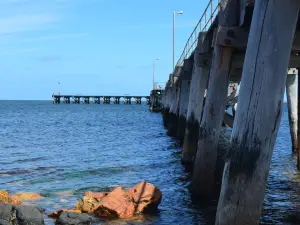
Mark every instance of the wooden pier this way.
pixel 96 99
pixel 241 55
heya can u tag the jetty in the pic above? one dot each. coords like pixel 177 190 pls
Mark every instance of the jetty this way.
pixel 241 56
pixel 98 99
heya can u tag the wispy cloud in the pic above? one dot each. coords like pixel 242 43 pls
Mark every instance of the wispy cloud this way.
pixel 23 23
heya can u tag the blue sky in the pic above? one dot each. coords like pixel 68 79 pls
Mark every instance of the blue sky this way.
pixel 89 46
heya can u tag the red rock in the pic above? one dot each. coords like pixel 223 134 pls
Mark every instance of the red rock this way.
pixel 57 213
pixel 118 203
pixel 87 204
pixel 28 196
pixel 146 196
pixel 97 195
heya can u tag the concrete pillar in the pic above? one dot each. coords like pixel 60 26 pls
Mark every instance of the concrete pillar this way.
pixel 291 94
pixel 259 112
pixel 185 78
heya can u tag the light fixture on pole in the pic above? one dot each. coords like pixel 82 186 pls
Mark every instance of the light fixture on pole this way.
pixel 154 70
pixel 174 27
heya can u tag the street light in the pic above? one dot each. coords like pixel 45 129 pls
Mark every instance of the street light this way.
pixel 174 25
pixel 154 70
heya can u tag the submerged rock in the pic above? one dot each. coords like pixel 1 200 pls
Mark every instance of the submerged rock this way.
pixel 146 196
pixel 29 215
pixel 28 196
pixel 6 198
pixel 57 213
pixel 118 203
pixel 14 200
pixel 71 218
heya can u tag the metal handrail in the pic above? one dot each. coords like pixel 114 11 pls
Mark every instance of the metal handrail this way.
pixel 191 43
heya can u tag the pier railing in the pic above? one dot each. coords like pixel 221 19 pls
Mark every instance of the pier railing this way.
pixel 203 25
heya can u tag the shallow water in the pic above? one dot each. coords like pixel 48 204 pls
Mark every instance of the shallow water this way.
pixel 61 151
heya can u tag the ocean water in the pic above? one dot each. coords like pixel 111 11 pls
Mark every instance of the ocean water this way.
pixel 61 151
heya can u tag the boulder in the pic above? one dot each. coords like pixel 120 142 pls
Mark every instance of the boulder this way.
pixel 28 196
pixel 118 203
pixel 71 218
pixel 97 195
pixel 87 204
pixel 6 214
pixel 146 196
pixel 29 215
pixel 6 198
pixel 57 213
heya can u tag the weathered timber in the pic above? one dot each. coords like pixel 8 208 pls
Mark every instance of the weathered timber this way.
pixel 298 122
pixel 228 119
pixel 291 94
pixel 203 182
pixel 184 97
pixel 173 114
pixel 196 99
pixel 259 112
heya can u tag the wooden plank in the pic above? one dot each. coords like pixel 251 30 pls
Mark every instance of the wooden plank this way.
pixel 259 112
pixel 232 36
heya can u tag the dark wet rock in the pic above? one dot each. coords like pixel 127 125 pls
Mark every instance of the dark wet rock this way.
pixel 292 218
pixel 29 215
pixel 6 214
pixel 70 218
pixel 59 212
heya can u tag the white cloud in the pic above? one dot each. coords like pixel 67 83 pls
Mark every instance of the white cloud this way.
pixel 23 23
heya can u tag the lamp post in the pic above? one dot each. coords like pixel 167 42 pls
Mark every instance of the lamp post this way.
pixel 154 71
pixel 174 27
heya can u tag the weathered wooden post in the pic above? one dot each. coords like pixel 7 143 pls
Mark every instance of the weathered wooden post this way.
pixel 173 114
pixel 203 183
pixel 298 122
pixel 259 112
pixel 291 94
pixel 197 90
pixel 185 79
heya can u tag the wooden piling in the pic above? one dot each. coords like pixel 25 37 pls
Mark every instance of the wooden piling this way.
pixel 184 97
pixel 298 122
pixel 199 84
pixel 203 183
pixel 173 114
pixel 291 94
pixel 259 112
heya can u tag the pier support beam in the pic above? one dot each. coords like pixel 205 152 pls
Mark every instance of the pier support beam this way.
pixel 291 94
pixel 259 112
pixel 196 99
pixel 173 115
pixel 204 181
pixel 184 97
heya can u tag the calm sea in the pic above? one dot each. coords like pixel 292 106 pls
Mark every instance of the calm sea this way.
pixel 61 151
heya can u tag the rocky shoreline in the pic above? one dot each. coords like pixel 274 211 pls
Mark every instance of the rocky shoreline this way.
pixel 119 203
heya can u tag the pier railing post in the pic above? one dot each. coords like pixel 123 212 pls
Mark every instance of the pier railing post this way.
pixel 259 112
pixel 203 183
